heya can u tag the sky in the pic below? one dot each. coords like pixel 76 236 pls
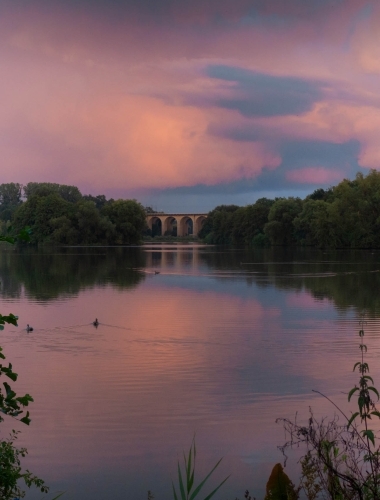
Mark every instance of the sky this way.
pixel 185 105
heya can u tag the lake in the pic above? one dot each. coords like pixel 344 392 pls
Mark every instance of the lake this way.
pixel 193 340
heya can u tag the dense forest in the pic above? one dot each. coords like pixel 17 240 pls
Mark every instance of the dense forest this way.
pixel 343 216
pixel 60 214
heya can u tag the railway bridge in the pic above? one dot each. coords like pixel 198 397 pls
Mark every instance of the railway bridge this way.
pixel 175 224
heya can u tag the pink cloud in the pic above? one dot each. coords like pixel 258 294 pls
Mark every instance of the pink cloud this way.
pixel 314 175
pixel 90 101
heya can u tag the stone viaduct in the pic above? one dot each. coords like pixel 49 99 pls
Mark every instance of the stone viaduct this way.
pixel 181 224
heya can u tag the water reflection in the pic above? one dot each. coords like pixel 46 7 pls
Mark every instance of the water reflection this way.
pixel 48 274
pixel 220 343
pixel 349 278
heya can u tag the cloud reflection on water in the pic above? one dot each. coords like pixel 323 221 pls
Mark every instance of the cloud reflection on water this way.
pixel 188 350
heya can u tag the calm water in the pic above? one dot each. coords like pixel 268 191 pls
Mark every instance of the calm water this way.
pixel 219 344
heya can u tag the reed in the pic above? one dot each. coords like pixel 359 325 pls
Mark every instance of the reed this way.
pixel 186 488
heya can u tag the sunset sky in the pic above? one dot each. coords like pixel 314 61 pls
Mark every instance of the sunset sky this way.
pixel 184 104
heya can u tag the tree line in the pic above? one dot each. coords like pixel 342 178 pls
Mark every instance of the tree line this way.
pixel 60 214
pixel 343 216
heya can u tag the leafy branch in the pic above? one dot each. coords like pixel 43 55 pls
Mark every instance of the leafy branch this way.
pixel 13 406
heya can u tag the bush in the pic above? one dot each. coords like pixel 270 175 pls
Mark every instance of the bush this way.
pixel 342 460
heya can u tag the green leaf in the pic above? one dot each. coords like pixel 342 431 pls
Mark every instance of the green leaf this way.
pixel 355 365
pixel 216 489
pixel 25 400
pixel 8 239
pixel 370 435
pixel 24 234
pixel 181 488
pixel 188 470
pixel 352 391
pixel 376 413
pixel 201 484
pixel 353 416
pixel 174 492
pixel 367 377
pixel 8 372
pixel 191 481
pixel 7 388
pixel 373 389
pixel 25 420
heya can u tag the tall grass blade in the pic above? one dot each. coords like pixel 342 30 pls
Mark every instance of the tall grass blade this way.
pixel 216 489
pixel 201 484
pixel 181 488
pixel 191 481
pixel 188 471
pixel 174 492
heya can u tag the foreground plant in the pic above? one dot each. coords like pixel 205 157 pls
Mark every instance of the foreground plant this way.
pixel 186 487
pixel 342 459
pixel 11 405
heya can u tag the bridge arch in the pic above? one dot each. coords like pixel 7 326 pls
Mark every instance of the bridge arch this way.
pixel 198 223
pixel 170 226
pixel 179 224
pixel 186 226
pixel 155 225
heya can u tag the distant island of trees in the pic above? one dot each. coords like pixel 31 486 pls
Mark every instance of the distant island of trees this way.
pixel 343 216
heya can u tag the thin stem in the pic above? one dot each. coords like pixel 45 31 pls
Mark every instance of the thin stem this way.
pixel 342 412
pixel 365 418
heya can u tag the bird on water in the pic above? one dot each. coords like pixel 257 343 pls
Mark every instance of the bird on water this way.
pixel 96 322
pixel 29 328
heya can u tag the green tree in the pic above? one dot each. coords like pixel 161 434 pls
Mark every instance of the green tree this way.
pixel 10 199
pixel 68 193
pixel 279 228
pixel 217 228
pixel 129 219
pixel 248 222
pixel 63 231
pixel 100 200
pixel 149 210
pixel 322 194
pixel 92 226
pixel 316 224
pixel 38 212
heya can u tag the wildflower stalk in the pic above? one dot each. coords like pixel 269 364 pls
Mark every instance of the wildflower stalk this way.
pixel 343 461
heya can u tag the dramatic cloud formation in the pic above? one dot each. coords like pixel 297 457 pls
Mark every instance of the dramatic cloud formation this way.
pixel 258 94
pixel 150 98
